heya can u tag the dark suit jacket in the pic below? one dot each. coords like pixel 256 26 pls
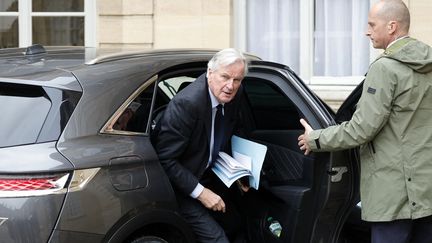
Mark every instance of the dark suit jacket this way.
pixel 182 143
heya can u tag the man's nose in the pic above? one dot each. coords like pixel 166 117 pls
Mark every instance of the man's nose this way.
pixel 230 84
pixel 368 33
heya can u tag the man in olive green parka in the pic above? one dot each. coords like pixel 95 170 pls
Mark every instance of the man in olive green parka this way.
pixel 392 125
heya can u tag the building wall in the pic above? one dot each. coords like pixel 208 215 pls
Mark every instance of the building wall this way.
pixel 421 19
pixel 126 23
pixel 147 24
pixel 192 23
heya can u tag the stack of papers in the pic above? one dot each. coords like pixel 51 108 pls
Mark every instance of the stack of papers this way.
pixel 231 169
pixel 247 160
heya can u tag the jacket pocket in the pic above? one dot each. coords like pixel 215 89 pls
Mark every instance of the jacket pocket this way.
pixel 367 160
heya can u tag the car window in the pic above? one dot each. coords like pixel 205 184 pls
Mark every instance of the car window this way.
pixel 172 86
pixel 24 109
pixel 271 108
pixel 135 117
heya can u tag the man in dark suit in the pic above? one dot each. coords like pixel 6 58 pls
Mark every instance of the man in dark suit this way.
pixel 192 131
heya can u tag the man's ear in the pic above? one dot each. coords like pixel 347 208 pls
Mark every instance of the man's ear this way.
pixel 392 26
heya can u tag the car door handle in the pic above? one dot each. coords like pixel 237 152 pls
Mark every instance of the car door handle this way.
pixel 337 172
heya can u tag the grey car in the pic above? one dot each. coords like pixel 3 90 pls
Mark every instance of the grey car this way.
pixel 77 162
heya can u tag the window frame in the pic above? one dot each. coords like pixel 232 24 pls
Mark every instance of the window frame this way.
pixel 108 128
pixel 307 17
pixel 25 14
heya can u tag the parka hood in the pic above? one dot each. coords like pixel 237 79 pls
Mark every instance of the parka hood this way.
pixel 415 54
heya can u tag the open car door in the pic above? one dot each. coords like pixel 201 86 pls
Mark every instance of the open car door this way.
pixel 310 196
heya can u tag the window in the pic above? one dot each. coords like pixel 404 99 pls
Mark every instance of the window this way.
pixel 273 30
pixel 135 117
pixel 271 108
pixel 340 46
pixel 8 23
pixel 315 38
pixel 172 86
pixel 47 22
pixel 26 108
pixel 34 114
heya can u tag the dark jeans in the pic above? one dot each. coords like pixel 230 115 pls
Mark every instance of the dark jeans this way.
pixel 210 226
pixel 403 231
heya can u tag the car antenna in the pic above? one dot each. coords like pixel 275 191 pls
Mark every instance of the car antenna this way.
pixel 35 49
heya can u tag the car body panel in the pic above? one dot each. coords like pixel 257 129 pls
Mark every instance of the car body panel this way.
pixel 30 219
pixel 39 158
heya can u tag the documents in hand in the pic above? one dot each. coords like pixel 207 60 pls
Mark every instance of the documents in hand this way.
pixel 247 160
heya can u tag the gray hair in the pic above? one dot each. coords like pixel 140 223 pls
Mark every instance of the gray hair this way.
pixel 395 10
pixel 227 57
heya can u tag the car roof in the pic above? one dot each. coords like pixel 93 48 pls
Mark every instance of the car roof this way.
pixel 45 64
pixel 78 55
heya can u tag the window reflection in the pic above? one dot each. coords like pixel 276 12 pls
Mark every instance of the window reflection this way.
pixel 135 117
pixel 58 31
pixel 8 6
pixel 58 5
pixel 8 31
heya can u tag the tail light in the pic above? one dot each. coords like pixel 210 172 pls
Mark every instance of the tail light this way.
pixel 32 185
pixel 39 185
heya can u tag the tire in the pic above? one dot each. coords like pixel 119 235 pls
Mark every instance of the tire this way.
pixel 149 239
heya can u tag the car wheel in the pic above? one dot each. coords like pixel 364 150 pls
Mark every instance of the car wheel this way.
pixel 149 239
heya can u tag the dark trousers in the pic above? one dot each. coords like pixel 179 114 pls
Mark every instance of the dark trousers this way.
pixel 403 231
pixel 210 226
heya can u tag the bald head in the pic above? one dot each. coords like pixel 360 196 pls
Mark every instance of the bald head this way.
pixel 388 20
pixel 395 10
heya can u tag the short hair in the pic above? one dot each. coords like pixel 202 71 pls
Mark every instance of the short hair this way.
pixel 395 10
pixel 227 57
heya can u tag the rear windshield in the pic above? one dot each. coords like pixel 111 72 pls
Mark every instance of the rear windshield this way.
pixel 24 109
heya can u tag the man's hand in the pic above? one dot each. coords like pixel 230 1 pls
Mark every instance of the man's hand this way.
pixel 211 200
pixel 244 187
pixel 304 138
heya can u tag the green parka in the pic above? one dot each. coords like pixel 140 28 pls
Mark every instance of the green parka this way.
pixel 392 125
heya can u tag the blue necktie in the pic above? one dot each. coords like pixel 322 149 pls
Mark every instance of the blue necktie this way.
pixel 218 132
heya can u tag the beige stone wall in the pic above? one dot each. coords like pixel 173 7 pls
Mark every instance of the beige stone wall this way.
pixel 421 19
pixel 125 23
pixel 148 24
pixel 192 23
